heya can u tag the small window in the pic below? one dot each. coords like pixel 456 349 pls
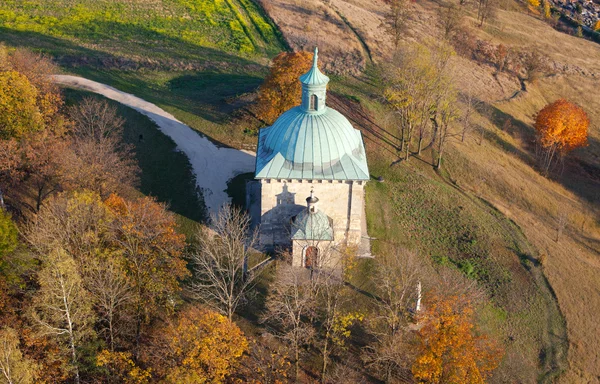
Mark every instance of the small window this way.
pixel 314 103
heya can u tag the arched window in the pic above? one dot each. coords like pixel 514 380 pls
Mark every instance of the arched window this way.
pixel 314 103
pixel 311 255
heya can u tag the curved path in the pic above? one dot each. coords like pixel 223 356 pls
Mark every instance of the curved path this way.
pixel 213 166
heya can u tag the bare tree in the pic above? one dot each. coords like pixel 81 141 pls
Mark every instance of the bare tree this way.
pixel 396 20
pixel 107 283
pixel 98 160
pixel 96 119
pixel 451 18
pixel 220 276
pixel 471 104
pixel 562 219
pixel 290 305
pixel 486 9
pixel 396 279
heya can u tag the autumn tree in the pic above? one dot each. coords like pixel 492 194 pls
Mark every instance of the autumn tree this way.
pixel 290 307
pixel 97 159
pixel 281 89
pixel 62 307
pixel 19 112
pixel 14 367
pixel 450 348
pixel 200 346
pixel 414 84
pixel 396 20
pixel 220 277
pixel 145 231
pixel 109 286
pixel 396 277
pixel 122 369
pixel 561 126
pixel 8 235
pixel 77 222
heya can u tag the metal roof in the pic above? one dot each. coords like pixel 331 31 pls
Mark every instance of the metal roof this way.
pixel 312 226
pixel 306 146
pixel 311 144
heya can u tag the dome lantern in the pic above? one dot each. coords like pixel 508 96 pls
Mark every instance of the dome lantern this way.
pixel 314 88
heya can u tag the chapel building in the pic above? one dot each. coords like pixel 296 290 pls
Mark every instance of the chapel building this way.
pixel 312 169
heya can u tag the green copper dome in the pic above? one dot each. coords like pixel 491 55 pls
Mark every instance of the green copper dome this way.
pixel 311 141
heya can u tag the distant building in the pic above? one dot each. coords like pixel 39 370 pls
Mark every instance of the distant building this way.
pixel 311 154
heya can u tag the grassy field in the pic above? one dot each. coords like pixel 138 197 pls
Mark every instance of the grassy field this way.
pixel 190 57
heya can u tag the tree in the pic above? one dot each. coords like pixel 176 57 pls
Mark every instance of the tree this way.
pixel 561 126
pixel 62 307
pixel 396 20
pixel 122 368
pixel 200 346
pixel 596 25
pixel 486 9
pixel 281 89
pixel 413 84
pixel 77 222
pixel 144 231
pixel 14 367
pixel 19 112
pixel 97 159
pixel 450 350
pixel 220 276
pixel 396 277
pixel 8 235
pixel 451 19
pixel 334 317
pixel 291 306
pixel 105 278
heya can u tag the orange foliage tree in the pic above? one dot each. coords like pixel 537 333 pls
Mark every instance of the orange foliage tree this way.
pixel 562 126
pixel 450 349
pixel 146 233
pixel 281 89
pixel 201 346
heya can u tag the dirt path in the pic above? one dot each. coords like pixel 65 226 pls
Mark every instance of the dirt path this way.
pixel 212 165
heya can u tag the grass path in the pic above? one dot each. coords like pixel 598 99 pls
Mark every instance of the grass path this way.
pixel 213 166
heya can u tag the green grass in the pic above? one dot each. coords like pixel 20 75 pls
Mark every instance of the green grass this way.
pixel 165 172
pixel 414 208
pixel 151 27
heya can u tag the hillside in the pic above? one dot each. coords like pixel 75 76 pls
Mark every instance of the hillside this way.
pixel 501 169
pixel 489 213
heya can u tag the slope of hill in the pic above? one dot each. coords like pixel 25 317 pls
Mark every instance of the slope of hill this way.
pixel 190 58
pixel 501 169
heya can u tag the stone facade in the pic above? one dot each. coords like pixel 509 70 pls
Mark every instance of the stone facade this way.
pixel 341 200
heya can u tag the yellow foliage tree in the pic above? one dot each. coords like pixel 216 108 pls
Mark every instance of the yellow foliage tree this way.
pixel 282 89
pixel 201 346
pixel 597 26
pixel 19 112
pixel 122 367
pixel 450 350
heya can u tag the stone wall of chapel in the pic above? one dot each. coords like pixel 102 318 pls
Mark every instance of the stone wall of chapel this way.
pixel 280 200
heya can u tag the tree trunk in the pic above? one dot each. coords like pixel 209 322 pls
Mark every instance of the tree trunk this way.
pixel 420 144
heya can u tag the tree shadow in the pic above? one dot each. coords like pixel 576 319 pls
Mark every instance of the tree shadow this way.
pixel 580 171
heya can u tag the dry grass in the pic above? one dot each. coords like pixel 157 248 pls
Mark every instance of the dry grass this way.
pixel 501 170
